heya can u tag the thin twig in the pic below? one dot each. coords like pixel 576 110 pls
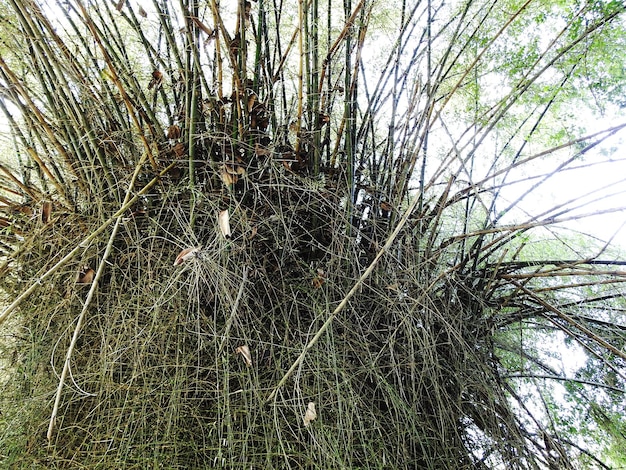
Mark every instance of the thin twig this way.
pixel 79 324
pixel 345 300
pixel 81 245
pixel 590 334
pixel 233 312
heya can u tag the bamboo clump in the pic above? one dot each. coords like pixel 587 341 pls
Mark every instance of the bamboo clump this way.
pixel 297 259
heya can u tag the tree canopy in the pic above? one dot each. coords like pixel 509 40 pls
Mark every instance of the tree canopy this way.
pixel 312 235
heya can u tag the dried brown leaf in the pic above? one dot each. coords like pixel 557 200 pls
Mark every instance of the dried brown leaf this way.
pixel 157 79
pixel 253 232
pixel 173 132
pixel 261 151
pixel 46 211
pixel 85 276
pixel 179 149
pixel 228 179
pixel 186 254
pixel 234 169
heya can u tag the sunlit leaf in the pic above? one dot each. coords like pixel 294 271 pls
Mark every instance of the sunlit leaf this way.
pixel 310 414
pixel 223 220
pixel 244 350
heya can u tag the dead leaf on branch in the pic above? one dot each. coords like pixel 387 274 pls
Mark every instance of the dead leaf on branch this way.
pixel 234 169
pixel 85 276
pixel 245 352
pixel 261 151
pixel 309 414
pixel 157 79
pixel 179 149
pixel 228 179
pixel 46 212
pixel 173 132
pixel 318 280
pixel 186 254
pixel 253 231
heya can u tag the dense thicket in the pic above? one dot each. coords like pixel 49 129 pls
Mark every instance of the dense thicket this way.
pixel 347 181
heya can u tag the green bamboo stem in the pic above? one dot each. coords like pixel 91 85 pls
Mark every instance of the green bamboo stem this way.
pixel 116 79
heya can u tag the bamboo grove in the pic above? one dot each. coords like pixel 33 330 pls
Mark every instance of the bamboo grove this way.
pixel 275 234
